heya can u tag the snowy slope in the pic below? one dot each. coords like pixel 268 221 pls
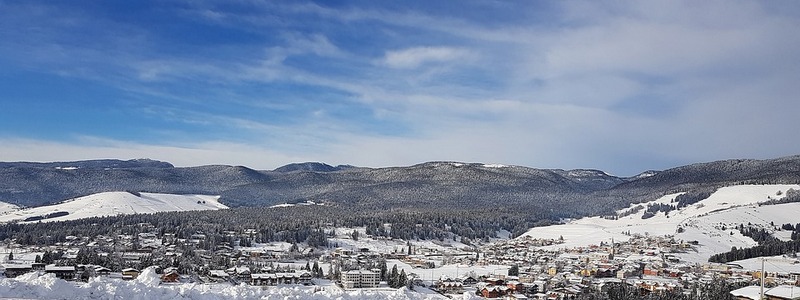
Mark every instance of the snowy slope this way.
pixel 703 221
pixel 116 203
pixel 708 229
pixel 7 208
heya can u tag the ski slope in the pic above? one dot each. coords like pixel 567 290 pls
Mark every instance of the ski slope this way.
pixel 114 203
pixel 708 222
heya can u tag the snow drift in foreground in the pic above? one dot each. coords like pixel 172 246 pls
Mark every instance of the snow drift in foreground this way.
pixel 146 286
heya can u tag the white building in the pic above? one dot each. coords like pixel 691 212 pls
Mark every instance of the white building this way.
pixel 360 279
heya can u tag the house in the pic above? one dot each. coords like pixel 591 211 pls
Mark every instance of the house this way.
pixel 170 275
pixel 62 272
pixel 468 280
pixel 14 270
pixel 450 287
pixel 102 271
pixel 305 278
pixel 147 249
pixel 540 296
pixel 515 286
pixel 38 266
pixel 781 292
pixel 752 292
pixel 651 270
pixel 218 275
pixel 130 273
pixel 262 279
pixel 360 279
pixel 493 291
pixel 494 281
pixel 243 272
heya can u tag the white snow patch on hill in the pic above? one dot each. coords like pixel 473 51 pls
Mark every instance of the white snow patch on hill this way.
pixel 115 203
pixel 716 232
pixel 496 166
pixel 7 208
pixel 305 203
pixel 702 221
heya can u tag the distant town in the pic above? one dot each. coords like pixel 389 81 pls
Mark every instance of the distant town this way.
pixel 505 268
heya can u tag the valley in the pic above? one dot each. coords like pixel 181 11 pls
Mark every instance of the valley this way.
pixel 456 230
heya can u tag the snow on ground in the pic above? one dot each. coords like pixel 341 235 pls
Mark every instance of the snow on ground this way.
pixel 343 240
pixel 702 221
pixel 21 255
pixel 7 208
pixel 305 203
pixel 708 229
pixel 451 271
pixel 496 166
pixel 116 203
pixel 274 247
pixel 146 286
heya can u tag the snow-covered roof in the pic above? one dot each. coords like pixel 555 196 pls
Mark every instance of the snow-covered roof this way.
pixel 784 292
pixel 362 272
pixel 749 292
pixel 55 268
pixel 273 275
pixel 218 273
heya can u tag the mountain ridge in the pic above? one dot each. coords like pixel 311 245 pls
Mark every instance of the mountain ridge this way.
pixel 555 193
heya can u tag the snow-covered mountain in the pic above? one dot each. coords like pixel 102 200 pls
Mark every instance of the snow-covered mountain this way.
pixel 710 222
pixel 110 204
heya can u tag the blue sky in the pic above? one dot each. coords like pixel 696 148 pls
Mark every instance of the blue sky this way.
pixel 618 86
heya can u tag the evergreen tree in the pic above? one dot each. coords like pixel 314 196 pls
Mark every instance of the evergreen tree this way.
pixel 393 276
pixel 384 271
pixel 316 270
pixel 513 271
pixel 402 279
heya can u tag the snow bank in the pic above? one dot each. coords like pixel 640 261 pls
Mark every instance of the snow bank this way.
pixel 147 286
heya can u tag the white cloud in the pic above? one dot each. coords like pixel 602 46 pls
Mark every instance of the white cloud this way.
pixel 562 94
pixel 411 58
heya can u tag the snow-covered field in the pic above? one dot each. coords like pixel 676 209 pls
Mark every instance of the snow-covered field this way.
pixel 7 208
pixel 449 271
pixel 343 240
pixel 147 286
pixel 114 203
pixel 708 222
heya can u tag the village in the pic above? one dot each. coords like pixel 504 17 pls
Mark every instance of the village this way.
pixel 506 268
